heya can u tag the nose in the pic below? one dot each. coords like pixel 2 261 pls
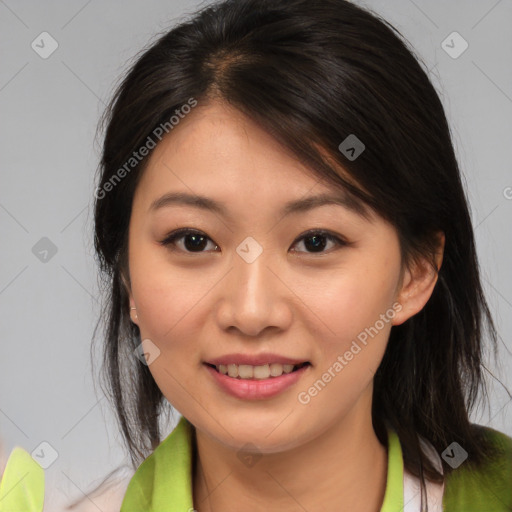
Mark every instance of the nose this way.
pixel 254 298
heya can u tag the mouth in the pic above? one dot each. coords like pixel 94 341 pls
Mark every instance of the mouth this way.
pixel 261 372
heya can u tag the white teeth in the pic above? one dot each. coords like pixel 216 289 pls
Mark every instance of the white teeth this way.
pixel 287 368
pixel 247 371
pixel 261 372
pixel 276 369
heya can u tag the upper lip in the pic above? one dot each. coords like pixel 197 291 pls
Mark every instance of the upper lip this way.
pixel 254 360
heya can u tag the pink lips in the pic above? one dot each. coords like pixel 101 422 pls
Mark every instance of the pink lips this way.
pixel 253 389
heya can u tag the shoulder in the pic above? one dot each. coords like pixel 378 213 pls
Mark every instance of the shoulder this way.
pixel 22 483
pixel 487 488
pixel 164 477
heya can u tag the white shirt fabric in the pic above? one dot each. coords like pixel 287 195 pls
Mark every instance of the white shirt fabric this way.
pixel 412 489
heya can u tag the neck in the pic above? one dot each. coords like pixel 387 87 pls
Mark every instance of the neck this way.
pixel 344 469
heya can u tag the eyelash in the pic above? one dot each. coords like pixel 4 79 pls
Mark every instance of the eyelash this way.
pixel 171 239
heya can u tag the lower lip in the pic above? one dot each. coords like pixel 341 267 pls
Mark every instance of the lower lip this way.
pixel 255 389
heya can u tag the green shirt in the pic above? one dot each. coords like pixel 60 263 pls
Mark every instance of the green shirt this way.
pixel 22 483
pixel 163 482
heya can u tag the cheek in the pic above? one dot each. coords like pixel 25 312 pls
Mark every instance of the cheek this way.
pixel 167 297
pixel 351 337
pixel 347 301
pixel 352 321
pixel 171 315
pixel 170 306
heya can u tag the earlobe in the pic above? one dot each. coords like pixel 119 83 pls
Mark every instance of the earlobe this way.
pixel 133 310
pixel 418 284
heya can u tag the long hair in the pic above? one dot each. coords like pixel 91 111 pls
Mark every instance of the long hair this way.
pixel 311 73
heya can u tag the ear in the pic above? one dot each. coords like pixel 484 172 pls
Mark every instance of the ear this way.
pixel 418 283
pixel 127 285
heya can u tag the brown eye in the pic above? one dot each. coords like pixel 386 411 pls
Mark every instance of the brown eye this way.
pixel 315 241
pixel 193 241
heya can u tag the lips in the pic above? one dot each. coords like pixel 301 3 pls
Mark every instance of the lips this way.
pixel 256 388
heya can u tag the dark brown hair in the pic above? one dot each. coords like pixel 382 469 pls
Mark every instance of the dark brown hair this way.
pixel 312 72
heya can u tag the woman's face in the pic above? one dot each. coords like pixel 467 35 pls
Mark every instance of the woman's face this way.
pixel 253 285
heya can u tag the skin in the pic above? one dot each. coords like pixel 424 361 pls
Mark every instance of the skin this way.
pixel 194 306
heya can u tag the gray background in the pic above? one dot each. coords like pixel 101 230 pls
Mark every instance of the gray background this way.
pixel 50 109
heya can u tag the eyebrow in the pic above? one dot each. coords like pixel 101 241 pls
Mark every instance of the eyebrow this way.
pixel 292 207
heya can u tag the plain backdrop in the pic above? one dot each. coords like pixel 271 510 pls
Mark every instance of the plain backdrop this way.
pixel 50 108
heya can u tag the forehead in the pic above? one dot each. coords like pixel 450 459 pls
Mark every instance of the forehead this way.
pixel 218 140
pixel 216 156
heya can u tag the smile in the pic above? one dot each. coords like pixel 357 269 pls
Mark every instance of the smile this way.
pixel 256 382
pixel 261 372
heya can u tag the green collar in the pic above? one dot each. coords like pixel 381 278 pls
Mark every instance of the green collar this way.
pixel 163 482
pixel 22 483
pixel 394 495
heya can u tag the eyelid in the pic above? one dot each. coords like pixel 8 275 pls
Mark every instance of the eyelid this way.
pixel 323 232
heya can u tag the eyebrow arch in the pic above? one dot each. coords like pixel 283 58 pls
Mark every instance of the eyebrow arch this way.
pixel 292 207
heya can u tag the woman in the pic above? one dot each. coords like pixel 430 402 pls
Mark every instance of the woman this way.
pixel 290 263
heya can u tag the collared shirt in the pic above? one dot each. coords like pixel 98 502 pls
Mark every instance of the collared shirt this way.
pixel 162 487
pixel 163 482
pixel 22 483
